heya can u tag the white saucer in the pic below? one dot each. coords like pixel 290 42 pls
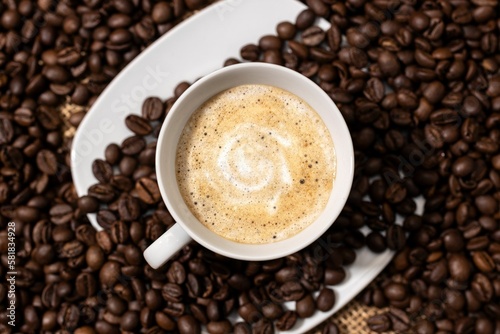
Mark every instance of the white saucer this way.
pixel 194 48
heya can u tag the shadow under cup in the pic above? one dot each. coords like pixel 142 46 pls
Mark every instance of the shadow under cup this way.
pixel 244 74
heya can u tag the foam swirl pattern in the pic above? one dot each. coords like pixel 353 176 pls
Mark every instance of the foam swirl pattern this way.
pixel 255 164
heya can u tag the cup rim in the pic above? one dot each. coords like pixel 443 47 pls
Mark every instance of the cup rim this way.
pixel 230 248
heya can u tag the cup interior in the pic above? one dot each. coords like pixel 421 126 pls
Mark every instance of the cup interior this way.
pixel 243 74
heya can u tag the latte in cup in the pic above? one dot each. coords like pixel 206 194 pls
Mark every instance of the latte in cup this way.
pixel 255 164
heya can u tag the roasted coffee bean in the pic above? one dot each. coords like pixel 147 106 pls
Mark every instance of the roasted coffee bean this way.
pixel 119 232
pixel 7 131
pixel 56 74
pixel 176 273
pixel 374 90
pixel 270 42
pixel 85 285
pixel 102 170
pixel 187 324
pixel 313 36
pixel 138 125
pixel 388 63
pixel 299 49
pixel 162 12
pixel 459 267
pixel 27 214
pixel 94 257
pixel 376 242
pixel 133 145
pixel 130 321
pixel 72 249
pixel 69 56
pixel 102 192
pixel 292 290
pixel 379 323
pixel 61 214
pixel 464 325
pixel 241 328
pixel 172 292
pixel 330 328
pixel 109 273
pixel 112 153
pixel 396 192
pixel 286 30
pixel 272 57
pixel 88 204
pixel 482 288
pixel 128 208
pixel 395 291
pixel 318 7
pixel 68 316
pixel 287 320
pixel 305 19
pixel 272 311
pixel 483 261
pixel 24 116
pixel 153 109
pixel 147 190
pixel 306 306
pixel 250 52
pixel 249 313
pixel 486 204
pixel 395 237
pixel 325 300
pixel 47 162
pixel 116 305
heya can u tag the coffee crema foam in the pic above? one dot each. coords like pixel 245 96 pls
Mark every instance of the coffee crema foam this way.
pixel 255 164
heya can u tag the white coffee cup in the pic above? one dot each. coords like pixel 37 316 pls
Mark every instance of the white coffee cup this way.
pixel 187 227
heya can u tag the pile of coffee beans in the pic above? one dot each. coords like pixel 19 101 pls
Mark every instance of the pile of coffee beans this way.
pixel 199 288
pixel 418 83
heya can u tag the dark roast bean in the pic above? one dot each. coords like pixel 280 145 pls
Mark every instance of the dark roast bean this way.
pixel 219 327
pixel 325 300
pixel 482 288
pixel 305 19
pixel 249 313
pixel 241 328
pixel 292 291
pixel 306 306
pixel 153 109
pixel 133 145
pixel 47 162
pixel 459 267
pixel 389 64
pixel 483 261
pixel 138 125
pixel 318 7
pixel 250 52
pixel 56 74
pixel 376 242
pixel 313 36
pixel 286 30
pixel 109 273
pixel 287 320
pixel 395 237
pixel 187 324
pixel 102 170
pixel 379 323
pixel 330 328
pixel 102 192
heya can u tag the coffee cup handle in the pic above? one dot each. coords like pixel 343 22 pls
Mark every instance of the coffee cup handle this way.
pixel 166 246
